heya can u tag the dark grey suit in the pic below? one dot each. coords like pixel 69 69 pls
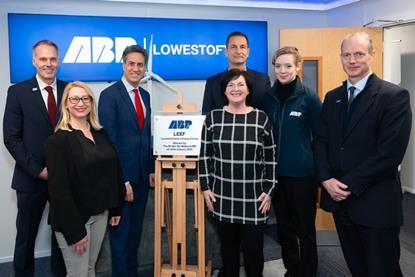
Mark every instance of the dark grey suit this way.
pixel 26 127
pixel 363 148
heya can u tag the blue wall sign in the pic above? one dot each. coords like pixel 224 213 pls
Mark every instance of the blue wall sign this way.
pixel 90 47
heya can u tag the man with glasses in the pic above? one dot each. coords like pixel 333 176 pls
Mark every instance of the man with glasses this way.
pixel 29 119
pixel 361 140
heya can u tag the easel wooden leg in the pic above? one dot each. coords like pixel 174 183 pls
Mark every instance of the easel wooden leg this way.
pixel 157 221
pixel 172 215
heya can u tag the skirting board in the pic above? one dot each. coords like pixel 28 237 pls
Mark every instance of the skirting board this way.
pixel 407 189
pixel 38 254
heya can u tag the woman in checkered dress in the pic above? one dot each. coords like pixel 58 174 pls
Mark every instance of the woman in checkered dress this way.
pixel 238 174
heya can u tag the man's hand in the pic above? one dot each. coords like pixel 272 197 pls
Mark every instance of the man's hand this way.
pixel 80 247
pixel 114 220
pixel 209 199
pixel 265 203
pixel 336 189
pixel 152 178
pixel 43 174
pixel 129 194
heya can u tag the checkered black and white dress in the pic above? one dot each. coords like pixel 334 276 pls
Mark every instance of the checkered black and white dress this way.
pixel 237 163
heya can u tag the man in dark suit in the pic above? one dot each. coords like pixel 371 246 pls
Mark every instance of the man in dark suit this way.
pixel 363 134
pixel 237 51
pixel 125 112
pixel 29 119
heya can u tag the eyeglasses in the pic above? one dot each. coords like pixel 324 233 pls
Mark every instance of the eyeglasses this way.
pixel 356 55
pixel 75 100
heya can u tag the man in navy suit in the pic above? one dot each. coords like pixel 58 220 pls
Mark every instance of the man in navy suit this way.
pixel 363 134
pixel 125 112
pixel 237 52
pixel 29 119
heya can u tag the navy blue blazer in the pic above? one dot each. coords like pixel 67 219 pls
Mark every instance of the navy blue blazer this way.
pixel 118 116
pixel 365 154
pixel 26 127
pixel 213 98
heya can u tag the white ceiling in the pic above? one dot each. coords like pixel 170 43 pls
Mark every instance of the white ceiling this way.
pixel 321 5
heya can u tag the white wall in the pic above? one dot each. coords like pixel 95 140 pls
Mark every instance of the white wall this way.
pixel 193 90
pixel 365 11
pixel 399 54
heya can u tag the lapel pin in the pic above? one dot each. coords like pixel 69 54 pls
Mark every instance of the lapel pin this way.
pixel 34 89
pixel 338 101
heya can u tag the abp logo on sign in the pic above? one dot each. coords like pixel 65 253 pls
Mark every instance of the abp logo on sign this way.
pixel 91 47
pixel 97 49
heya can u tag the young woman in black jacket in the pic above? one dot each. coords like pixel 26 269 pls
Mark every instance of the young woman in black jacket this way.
pixel 294 111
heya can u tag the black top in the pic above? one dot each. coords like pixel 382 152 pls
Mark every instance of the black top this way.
pixel 284 91
pixel 237 163
pixel 214 99
pixel 85 179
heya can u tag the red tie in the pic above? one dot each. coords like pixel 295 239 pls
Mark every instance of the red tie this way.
pixel 51 106
pixel 138 108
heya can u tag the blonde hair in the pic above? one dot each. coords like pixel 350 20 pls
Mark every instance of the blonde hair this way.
pixel 291 50
pixel 65 116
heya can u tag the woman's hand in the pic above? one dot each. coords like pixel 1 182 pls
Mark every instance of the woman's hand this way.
pixel 114 220
pixel 80 247
pixel 129 193
pixel 209 199
pixel 152 178
pixel 266 203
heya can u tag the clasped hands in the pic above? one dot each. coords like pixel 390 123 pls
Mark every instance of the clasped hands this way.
pixel 337 190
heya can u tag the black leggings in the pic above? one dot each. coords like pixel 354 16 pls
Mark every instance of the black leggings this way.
pixel 295 208
pixel 250 238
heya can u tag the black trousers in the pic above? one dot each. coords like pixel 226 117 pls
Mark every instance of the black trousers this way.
pixel 369 252
pixel 295 208
pixel 250 238
pixel 30 206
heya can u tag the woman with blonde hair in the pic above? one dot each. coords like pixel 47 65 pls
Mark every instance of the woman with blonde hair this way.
pixel 294 110
pixel 85 181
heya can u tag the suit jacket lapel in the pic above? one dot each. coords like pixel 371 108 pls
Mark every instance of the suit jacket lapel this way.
pixel 129 104
pixel 36 94
pixel 365 102
pixel 146 101
pixel 341 106
pixel 60 85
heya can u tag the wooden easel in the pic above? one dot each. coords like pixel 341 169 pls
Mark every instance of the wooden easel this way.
pixel 173 216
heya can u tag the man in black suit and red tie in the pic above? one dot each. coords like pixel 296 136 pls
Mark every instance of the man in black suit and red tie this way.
pixel 362 138
pixel 29 119
pixel 237 52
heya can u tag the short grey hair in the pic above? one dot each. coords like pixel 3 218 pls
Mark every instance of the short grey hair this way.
pixel 362 35
pixel 44 42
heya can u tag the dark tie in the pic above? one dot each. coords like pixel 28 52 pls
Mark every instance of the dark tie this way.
pixel 351 97
pixel 51 106
pixel 138 108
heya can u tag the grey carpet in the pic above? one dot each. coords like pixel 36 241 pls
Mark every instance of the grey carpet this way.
pixel 331 261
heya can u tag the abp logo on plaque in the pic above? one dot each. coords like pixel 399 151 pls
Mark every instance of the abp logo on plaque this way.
pixel 177 134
